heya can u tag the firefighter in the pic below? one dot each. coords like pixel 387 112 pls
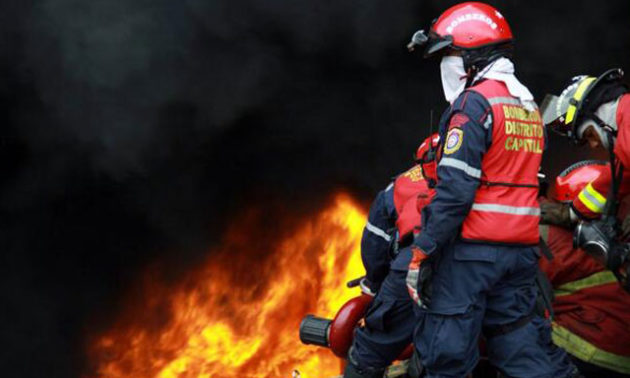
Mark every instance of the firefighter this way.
pixel 393 219
pixel 592 311
pixel 475 260
pixel 595 111
pixel 380 234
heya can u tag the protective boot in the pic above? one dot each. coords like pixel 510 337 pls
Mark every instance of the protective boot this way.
pixel 353 371
pixel 415 369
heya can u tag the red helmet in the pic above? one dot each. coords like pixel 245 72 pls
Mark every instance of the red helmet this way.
pixel 425 157
pixel 572 180
pixel 477 29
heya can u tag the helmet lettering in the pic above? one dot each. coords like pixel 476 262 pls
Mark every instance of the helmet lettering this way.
pixel 470 17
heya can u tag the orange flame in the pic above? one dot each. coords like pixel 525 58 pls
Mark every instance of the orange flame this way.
pixel 238 316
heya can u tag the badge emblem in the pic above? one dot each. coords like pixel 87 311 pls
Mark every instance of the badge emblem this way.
pixel 453 140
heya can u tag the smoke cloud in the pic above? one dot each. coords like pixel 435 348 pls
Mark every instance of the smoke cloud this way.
pixel 134 130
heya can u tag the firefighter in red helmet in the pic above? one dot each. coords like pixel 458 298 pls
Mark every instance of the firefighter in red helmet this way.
pixel 393 220
pixel 592 311
pixel 474 263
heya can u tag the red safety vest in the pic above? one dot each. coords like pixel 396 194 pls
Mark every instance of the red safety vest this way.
pixel 505 209
pixel 592 312
pixel 411 194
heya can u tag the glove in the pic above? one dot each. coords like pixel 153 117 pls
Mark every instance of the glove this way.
pixel 419 277
pixel 555 213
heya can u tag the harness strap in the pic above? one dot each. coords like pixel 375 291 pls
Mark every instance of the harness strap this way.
pixel 545 291
pixel 545 250
pixel 503 329
pixel 496 183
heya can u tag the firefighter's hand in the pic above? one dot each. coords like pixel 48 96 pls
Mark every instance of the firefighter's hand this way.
pixel 419 277
pixel 555 213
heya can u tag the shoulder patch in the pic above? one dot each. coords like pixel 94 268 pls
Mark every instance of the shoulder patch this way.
pixel 458 120
pixel 454 140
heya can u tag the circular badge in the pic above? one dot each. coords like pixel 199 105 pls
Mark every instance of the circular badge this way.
pixel 453 140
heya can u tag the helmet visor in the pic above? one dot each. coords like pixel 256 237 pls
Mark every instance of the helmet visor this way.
pixel 553 115
pixel 437 43
pixel 434 42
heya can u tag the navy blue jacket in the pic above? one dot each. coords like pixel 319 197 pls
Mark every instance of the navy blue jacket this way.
pixel 378 235
pixel 458 172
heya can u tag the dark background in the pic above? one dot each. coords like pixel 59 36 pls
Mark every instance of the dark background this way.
pixel 132 131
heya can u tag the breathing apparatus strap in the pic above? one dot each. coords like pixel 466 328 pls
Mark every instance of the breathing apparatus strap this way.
pixel 610 209
pixel 612 203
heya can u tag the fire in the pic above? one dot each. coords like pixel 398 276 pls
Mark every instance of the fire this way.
pixel 238 315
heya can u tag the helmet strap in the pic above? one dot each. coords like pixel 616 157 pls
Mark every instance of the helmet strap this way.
pixel 471 73
pixel 606 127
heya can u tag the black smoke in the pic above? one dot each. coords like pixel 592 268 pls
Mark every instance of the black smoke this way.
pixel 134 130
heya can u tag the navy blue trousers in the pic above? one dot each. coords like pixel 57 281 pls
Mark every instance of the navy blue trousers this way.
pixel 479 286
pixel 389 325
pixel 474 286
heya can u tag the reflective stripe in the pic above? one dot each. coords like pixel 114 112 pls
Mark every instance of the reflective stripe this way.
pixel 592 199
pixel 462 166
pixel 598 196
pixel 596 279
pixel 579 92
pixel 588 352
pixel 378 232
pixel 389 187
pixel 590 203
pixel 514 210
pixel 504 100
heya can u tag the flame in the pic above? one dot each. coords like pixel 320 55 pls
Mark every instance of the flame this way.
pixel 238 315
